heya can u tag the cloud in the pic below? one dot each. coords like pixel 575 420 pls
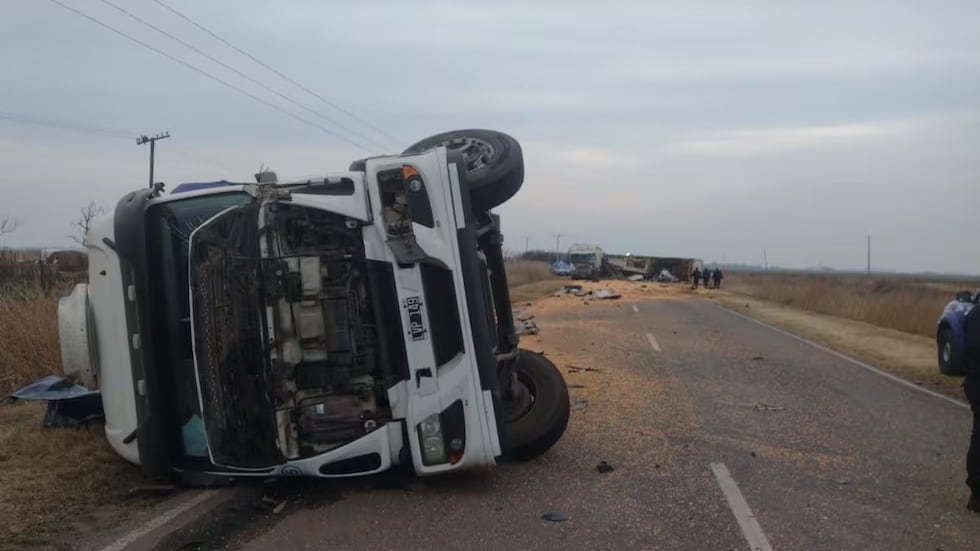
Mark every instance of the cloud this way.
pixel 593 156
pixel 777 141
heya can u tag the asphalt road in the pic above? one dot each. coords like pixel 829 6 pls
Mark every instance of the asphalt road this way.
pixel 821 453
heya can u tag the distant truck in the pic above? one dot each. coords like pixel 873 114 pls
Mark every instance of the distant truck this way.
pixel 587 261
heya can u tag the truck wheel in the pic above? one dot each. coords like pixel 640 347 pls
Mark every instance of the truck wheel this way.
pixel 538 415
pixel 949 360
pixel 494 163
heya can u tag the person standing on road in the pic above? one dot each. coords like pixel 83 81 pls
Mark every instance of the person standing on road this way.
pixel 696 277
pixel 716 277
pixel 971 386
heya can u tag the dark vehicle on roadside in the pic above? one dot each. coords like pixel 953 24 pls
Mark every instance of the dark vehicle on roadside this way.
pixel 951 334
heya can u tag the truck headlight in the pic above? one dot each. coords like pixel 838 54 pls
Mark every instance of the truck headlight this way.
pixel 440 431
pixel 430 435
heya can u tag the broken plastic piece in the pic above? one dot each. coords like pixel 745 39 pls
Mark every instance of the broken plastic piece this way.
pixel 554 516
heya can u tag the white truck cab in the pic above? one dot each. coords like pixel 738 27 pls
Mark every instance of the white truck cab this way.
pixel 334 326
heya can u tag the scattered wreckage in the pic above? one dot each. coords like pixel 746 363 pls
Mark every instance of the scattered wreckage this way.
pixel 330 327
pixel 578 291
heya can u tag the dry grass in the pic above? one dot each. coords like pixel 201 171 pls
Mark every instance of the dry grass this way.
pixel 28 339
pixel 531 279
pixel 904 304
pixel 522 272
pixel 58 485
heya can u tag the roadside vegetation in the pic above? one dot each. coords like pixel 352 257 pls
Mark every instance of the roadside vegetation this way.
pixel 531 279
pixel 907 304
pixel 56 485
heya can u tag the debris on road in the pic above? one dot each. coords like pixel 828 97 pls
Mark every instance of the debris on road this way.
pixel 635 277
pixel 572 385
pixel 606 294
pixel 757 358
pixel 69 404
pixel 525 316
pixel 554 516
pixel 580 404
pixel 604 467
pixel 528 327
pixel 577 369
pixel 572 288
pixel 842 482
pixel 766 407
pixel 278 508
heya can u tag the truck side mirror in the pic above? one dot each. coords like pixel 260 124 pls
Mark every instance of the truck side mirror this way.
pixel 964 296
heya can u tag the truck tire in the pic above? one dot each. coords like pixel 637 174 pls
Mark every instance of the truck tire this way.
pixel 494 163
pixel 949 361
pixel 540 422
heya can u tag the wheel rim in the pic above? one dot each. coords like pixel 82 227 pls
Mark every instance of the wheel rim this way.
pixel 947 351
pixel 476 153
pixel 524 392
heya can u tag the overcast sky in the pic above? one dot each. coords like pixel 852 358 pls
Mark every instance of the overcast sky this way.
pixel 708 129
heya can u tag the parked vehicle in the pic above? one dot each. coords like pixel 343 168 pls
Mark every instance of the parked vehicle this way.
pixel 335 326
pixel 950 334
pixel 562 268
pixel 587 261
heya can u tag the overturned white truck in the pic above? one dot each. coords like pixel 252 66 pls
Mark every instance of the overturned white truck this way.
pixel 335 326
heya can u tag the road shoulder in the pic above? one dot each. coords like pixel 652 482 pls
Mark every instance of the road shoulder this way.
pixel 909 356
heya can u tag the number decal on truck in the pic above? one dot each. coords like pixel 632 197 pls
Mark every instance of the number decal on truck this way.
pixel 416 324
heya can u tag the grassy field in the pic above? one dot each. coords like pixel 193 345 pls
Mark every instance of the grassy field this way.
pixel 56 485
pixel 531 279
pixel 905 304
pixel 28 338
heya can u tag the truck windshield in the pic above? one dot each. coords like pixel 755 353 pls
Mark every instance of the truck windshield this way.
pixel 582 258
pixel 169 227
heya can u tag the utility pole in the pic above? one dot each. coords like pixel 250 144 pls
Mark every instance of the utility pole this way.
pixel 526 241
pixel 765 261
pixel 869 254
pixel 557 237
pixel 153 142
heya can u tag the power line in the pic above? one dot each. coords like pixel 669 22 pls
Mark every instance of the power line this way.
pixel 208 75
pixel 119 133
pixel 240 73
pixel 72 127
pixel 277 72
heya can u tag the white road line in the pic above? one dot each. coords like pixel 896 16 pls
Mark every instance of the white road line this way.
pixel 636 309
pixel 854 361
pixel 154 523
pixel 743 514
pixel 653 342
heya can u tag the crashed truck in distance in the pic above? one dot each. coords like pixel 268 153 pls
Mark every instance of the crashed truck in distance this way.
pixel 654 267
pixel 587 260
pixel 336 326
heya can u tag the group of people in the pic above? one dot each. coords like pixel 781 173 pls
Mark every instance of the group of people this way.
pixel 712 278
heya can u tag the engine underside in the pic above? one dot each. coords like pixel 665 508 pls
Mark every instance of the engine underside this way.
pixel 328 384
